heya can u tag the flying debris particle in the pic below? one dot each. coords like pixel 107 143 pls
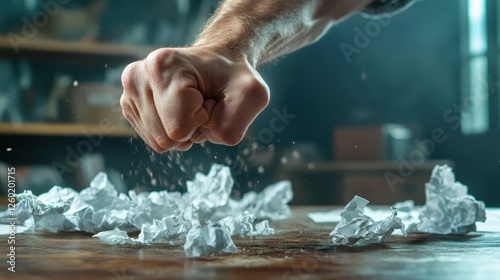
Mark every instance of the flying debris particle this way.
pixel 296 154
pixel 9 149
pixel 75 83
pixel 260 169
pixel 363 76
pixel 284 160
pixel 311 165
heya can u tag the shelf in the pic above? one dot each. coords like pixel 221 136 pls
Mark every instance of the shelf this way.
pixel 344 166
pixel 87 52
pixel 63 130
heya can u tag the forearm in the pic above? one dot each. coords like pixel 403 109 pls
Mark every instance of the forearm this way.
pixel 266 29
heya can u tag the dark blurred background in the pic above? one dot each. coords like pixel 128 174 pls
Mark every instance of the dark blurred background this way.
pixel 369 110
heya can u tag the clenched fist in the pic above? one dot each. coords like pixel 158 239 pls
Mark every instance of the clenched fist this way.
pixel 180 96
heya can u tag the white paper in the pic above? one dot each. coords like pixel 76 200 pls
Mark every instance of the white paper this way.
pixel 208 240
pixel 492 223
pixel 448 208
pixel 358 229
pixel 333 216
pixel 271 203
pixel 160 216
pixel 116 236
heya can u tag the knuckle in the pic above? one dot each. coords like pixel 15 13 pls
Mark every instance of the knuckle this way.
pixel 259 90
pixel 160 59
pixel 128 77
pixel 124 102
pixel 231 138
pixel 127 116
pixel 178 132
pixel 158 148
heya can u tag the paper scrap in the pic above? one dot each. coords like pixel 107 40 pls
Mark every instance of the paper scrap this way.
pixel 271 203
pixel 208 240
pixel 116 236
pixel 160 216
pixel 242 224
pixel 448 208
pixel 358 229
pixel 333 216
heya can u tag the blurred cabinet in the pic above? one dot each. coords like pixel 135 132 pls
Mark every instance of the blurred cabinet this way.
pixel 69 130
pixel 75 53
pixel 381 182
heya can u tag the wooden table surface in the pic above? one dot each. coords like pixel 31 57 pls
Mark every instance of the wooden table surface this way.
pixel 300 249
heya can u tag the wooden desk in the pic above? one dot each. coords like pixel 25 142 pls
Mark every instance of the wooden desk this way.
pixel 299 250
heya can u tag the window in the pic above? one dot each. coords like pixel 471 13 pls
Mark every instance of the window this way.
pixel 475 95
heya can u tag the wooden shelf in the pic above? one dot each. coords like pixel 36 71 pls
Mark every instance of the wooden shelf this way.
pixel 63 130
pixel 344 166
pixel 86 52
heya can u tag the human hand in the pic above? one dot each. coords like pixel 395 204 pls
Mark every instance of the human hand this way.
pixel 180 96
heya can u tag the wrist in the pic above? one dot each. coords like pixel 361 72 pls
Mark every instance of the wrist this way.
pixel 233 52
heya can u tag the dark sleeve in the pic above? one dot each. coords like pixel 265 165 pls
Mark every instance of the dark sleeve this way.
pixel 379 7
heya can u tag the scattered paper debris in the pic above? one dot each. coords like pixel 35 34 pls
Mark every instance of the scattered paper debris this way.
pixel 208 240
pixel 116 236
pixel 356 228
pixel 448 208
pixel 271 203
pixel 205 208
pixel 242 224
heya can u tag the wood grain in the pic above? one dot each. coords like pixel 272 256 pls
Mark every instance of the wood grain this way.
pixel 299 250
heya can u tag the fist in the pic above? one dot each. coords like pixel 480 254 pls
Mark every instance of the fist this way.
pixel 180 96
